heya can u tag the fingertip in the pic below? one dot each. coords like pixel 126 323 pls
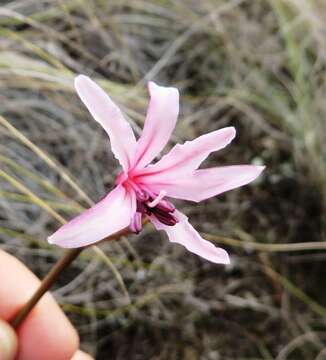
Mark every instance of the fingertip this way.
pixel 48 330
pixel 8 341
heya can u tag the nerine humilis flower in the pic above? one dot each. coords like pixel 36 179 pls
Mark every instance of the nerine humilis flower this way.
pixel 143 189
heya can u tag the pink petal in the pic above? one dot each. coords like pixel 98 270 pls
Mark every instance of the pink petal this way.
pixel 105 112
pixel 206 183
pixel 108 216
pixel 184 159
pixel 184 234
pixel 160 121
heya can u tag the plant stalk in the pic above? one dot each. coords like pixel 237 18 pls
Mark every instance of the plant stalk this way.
pixel 69 256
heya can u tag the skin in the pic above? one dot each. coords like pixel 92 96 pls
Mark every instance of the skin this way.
pixel 46 333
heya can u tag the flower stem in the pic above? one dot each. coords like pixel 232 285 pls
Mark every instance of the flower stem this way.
pixel 69 256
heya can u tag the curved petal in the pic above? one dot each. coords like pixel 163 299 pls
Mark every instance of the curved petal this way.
pixel 105 112
pixel 205 183
pixel 184 234
pixel 108 216
pixel 184 159
pixel 162 114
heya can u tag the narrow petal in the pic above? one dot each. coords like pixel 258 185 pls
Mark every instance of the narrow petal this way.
pixel 184 159
pixel 108 216
pixel 162 114
pixel 184 234
pixel 105 112
pixel 206 183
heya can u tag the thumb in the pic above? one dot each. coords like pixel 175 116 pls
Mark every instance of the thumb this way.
pixel 8 341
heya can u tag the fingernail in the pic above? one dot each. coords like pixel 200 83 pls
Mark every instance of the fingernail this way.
pixel 8 341
pixel 81 355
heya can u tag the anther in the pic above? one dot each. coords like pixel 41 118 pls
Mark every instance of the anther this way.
pixel 136 223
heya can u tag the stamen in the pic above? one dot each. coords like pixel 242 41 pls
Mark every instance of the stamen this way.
pixel 166 206
pixel 165 217
pixel 142 196
pixel 136 223
pixel 159 197
pixel 149 204
pixel 142 208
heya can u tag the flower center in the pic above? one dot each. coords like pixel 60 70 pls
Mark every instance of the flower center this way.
pixel 152 205
pixel 148 204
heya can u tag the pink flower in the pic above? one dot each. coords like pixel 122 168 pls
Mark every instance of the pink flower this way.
pixel 142 189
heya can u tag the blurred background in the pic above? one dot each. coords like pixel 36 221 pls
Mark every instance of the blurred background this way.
pixel 258 65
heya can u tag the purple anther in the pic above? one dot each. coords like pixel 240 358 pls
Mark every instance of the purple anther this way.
pixel 165 205
pixel 136 223
pixel 164 217
pixel 153 204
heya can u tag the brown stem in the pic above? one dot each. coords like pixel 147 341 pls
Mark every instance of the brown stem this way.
pixel 69 256
pixel 47 282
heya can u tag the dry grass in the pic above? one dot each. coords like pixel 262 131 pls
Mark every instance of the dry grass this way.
pixel 258 65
